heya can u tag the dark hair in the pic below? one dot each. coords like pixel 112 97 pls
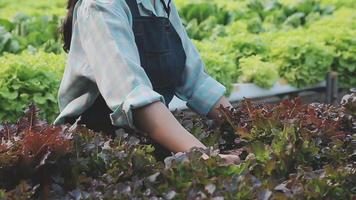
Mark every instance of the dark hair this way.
pixel 66 29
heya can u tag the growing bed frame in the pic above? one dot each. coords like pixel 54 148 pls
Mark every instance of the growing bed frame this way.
pixel 280 90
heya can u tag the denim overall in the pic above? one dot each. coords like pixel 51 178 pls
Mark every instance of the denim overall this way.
pixel 162 56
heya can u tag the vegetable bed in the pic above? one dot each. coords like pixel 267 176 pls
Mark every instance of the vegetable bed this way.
pixel 289 150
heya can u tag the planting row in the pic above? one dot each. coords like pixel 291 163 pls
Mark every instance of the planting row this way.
pixel 264 41
pixel 287 151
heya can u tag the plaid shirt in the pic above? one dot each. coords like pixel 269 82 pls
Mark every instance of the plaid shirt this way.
pixel 104 58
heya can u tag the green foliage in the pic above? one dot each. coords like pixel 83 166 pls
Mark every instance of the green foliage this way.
pixel 302 60
pixel 244 45
pixel 345 61
pixel 299 36
pixel 208 28
pixel 10 8
pixel 255 70
pixel 338 3
pixel 222 66
pixel 30 32
pixel 202 10
pixel 27 78
pixel 7 41
pixel 204 19
pixel 342 40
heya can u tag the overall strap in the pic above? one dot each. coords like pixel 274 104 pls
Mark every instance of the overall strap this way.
pixel 167 7
pixel 133 8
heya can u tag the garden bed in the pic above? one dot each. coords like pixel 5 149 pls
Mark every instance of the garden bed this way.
pixel 288 151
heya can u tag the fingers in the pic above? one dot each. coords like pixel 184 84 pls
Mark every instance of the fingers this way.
pixel 230 159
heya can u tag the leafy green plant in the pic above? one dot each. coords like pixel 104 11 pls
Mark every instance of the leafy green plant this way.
pixel 7 42
pixel 202 10
pixel 29 77
pixel 204 19
pixel 276 31
pixel 298 36
pixel 25 31
pixel 207 29
pixel 255 70
pixel 303 61
pixel 345 62
pixel 10 8
pixel 342 40
pixel 245 45
pixel 220 66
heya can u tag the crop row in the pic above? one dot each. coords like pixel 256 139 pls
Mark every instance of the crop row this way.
pixel 264 41
pixel 288 151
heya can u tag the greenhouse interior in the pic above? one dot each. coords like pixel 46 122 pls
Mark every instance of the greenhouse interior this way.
pixel 216 99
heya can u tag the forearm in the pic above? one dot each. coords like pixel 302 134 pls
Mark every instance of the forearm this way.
pixel 160 124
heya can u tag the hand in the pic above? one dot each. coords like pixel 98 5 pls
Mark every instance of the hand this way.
pixel 215 114
pixel 228 158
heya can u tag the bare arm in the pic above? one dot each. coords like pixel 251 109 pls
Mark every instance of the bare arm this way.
pixel 160 124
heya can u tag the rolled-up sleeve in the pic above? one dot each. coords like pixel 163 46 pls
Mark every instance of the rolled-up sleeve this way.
pixel 109 44
pixel 199 89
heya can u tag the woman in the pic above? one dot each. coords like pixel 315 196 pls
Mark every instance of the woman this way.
pixel 127 59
